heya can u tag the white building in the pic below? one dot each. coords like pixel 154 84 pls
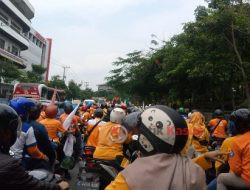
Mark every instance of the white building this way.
pixel 104 87
pixel 39 51
pixel 19 42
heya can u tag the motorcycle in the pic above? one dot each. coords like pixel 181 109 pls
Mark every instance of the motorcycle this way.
pixel 96 174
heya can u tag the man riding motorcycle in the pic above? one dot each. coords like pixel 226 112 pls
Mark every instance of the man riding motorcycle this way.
pixel 12 174
pixel 93 128
pixel 25 147
pixel 41 135
pixel 111 137
pixel 218 127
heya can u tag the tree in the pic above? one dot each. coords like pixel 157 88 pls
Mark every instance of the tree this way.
pixel 56 82
pixel 74 90
pixel 201 67
pixel 9 72
pixel 36 75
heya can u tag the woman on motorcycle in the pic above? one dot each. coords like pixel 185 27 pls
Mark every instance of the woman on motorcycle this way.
pixel 162 135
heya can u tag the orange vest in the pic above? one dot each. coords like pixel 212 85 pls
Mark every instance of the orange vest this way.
pixel 109 143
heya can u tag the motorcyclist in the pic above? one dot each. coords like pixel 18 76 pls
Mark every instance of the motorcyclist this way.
pixel 107 117
pixel 68 108
pixel 41 134
pixel 93 128
pixel 239 158
pixel 124 107
pixel 111 137
pixel 218 127
pixel 25 147
pixel 161 165
pixel 183 113
pixel 85 113
pixel 200 134
pixel 12 174
pixel 52 125
pixel 42 114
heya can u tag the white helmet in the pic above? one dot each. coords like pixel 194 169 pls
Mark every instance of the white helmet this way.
pixel 117 115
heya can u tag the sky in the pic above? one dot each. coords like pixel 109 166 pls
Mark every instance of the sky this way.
pixel 88 35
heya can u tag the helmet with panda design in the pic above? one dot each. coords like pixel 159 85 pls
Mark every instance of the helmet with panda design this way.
pixel 162 130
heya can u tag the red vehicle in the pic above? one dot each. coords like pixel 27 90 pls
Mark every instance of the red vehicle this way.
pixel 37 92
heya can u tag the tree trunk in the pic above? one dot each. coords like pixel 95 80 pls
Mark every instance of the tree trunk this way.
pixel 244 76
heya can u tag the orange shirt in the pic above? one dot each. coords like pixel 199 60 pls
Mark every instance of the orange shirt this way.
pixel 42 116
pixel 93 137
pixel 220 131
pixel 79 120
pixel 86 116
pixel 239 159
pixel 64 116
pixel 92 111
pixel 53 126
pixel 225 147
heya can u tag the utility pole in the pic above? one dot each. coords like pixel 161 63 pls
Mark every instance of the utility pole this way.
pixel 64 72
pixel 86 84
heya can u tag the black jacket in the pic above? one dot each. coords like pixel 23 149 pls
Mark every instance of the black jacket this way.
pixel 14 177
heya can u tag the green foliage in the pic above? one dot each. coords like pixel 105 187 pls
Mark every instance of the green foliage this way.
pixel 36 75
pixel 9 72
pixel 197 68
pixel 56 82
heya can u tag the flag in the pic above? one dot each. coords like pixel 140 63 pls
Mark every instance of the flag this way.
pixel 54 97
pixel 68 146
pixel 69 119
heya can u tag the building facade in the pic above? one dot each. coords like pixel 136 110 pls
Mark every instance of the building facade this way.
pixel 104 87
pixel 20 44
pixel 39 51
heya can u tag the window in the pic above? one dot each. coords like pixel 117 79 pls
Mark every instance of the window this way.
pixel 2 43
pixel 34 39
pixel 4 18
pixel 15 27
pixel 30 36
pixel 8 49
pixel 37 42
pixel 15 50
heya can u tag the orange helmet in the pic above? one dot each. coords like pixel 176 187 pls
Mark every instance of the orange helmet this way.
pixel 84 108
pixel 51 111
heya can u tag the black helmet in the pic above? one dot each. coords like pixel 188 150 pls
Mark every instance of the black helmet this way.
pixel 98 113
pixel 110 110
pixel 103 105
pixel 8 121
pixel 68 108
pixel 218 113
pixel 162 130
pixel 132 121
pixel 35 112
pixel 241 118
pixel 132 109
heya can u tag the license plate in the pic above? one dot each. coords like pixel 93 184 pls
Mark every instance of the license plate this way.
pixel 85 185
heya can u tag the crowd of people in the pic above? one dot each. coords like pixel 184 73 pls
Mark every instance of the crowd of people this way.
pixel 174 149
